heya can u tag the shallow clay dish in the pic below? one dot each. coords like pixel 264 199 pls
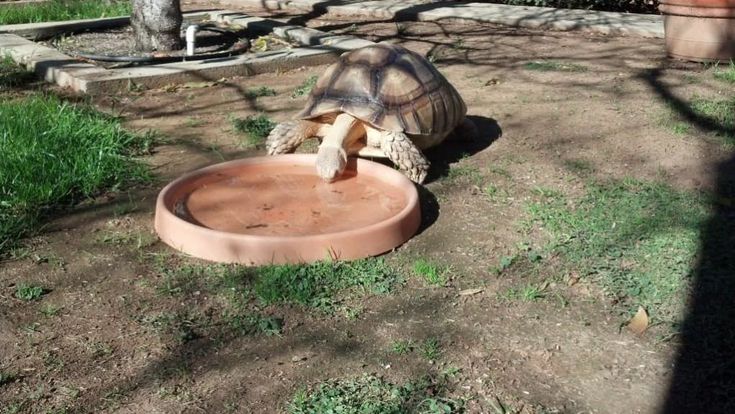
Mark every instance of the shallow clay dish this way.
pixel 275 210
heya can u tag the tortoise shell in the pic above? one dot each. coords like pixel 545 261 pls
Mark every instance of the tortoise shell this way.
pixel 389 87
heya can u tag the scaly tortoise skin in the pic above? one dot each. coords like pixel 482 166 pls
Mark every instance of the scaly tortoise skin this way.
pixel 380 100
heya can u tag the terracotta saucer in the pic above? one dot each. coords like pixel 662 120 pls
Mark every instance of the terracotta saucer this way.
pixel 275 210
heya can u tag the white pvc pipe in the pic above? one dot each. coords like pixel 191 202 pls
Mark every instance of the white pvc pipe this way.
pixel 191 39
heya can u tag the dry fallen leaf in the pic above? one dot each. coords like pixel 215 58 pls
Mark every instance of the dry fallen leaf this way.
pixel 468 292
pixel 639 323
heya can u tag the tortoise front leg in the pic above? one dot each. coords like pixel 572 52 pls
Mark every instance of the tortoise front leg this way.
pixel 287 136
pixel 399 148
pixel 331 158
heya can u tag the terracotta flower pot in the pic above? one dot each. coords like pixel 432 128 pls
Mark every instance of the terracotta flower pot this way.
pixel 699 30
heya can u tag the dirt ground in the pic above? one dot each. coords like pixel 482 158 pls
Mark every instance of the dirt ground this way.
pixel 534 357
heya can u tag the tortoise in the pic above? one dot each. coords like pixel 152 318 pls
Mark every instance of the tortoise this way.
pixel 381 100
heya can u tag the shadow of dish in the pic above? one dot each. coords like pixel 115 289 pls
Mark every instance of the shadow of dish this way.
pixel 442 156
pixel 455 148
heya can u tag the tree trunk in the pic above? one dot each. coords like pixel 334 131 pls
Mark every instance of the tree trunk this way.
pixel 157 25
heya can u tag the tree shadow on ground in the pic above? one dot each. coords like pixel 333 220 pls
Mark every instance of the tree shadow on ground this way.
pixel 703 379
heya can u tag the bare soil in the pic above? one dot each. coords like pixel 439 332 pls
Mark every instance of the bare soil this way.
pixel 566 355
pixel 121 42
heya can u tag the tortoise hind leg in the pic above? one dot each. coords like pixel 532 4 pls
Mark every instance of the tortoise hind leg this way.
pixel 287 136
pixel 399 148
pixel 466 131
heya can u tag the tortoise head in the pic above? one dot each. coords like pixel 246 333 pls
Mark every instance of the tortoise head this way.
pixel 330 162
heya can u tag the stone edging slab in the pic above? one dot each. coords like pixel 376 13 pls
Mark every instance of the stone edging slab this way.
pixel 645 25
pixel 315 48
pixel 20 3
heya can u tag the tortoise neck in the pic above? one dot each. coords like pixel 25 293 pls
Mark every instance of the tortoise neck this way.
pixel 342 132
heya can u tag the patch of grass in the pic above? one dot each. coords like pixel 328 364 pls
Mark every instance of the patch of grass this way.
pixel 550 65
pixel 493 192
pixel 526 293
pixel 254 323
pixel 638 240
pixel 317 285
pixel 578 166
pixel 181 326
pixel 432 273
pixel 53 154
pixel 504 263
pixel 431 349
pixel 28 292
pixel 306 87
pixel 136 239
pixel 401 346
pixel 370 394
pixel 719 113
pixel 254 93
pixel 192 122
pixel 546 192
pixel 469 173
pixel 12 75
pixel 256 128
pixel 726 75
pixel 7 377
pixel 99 349
pixel 50 310
pixel 55 10
pixel 187 278
pixel 680 128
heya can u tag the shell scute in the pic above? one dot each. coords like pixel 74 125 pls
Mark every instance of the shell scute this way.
pixel 390 87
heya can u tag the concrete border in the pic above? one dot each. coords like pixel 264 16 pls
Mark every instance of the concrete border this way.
pixel 20 3
pixel 315 48
pixel 644 25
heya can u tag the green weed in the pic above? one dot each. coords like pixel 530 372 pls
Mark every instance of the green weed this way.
pixel 433 274
pixel 254 93
pixel 546 192
pixel 306 87
pixel 527 293
pixel 504 263
pixel 639 240
pixel 373 395
pixel 53 154
pixel 495 193
pixel 50 310
pixel 680 128
pixel 401 347
pixel 726 75
pixel 550 65
pixel 431 349
pixel 256 128
pixel 28 292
